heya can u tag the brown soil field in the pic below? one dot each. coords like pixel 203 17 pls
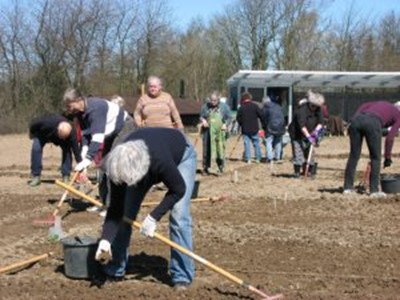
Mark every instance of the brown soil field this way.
pixel 298 237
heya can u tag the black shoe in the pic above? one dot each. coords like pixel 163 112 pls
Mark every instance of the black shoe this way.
pixel 221 169
pixel 181 286
pixel 205 171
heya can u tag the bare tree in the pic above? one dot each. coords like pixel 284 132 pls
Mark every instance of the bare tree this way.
pixel 389 42
pixel 154 25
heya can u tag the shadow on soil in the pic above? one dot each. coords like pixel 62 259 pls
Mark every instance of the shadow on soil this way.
pixel 139 266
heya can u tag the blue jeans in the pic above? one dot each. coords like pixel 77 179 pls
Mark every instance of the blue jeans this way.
pixel 181 266
pixel 273 143
pixel 256 144
pixel 37 154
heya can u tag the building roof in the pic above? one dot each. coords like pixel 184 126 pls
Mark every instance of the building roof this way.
pixel 315 79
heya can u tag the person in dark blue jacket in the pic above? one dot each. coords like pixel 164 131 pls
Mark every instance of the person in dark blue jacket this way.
pixel 274 121
pixel 146 157
pixel 102 122
pixel 57 130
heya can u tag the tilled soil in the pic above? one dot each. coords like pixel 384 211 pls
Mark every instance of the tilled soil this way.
pixel 298 237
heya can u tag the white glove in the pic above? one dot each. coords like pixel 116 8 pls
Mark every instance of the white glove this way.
pixel 103 253
pixel 223 127
pixel 84 151
pixel 149 226
pixel 83 165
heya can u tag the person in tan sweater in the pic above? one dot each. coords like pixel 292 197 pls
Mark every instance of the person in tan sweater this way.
pixel 157 108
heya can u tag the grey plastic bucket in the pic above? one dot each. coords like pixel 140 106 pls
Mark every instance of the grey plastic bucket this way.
pixel 79 253
pixel 390 184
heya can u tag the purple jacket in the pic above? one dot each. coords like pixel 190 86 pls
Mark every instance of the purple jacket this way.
pixel 389 115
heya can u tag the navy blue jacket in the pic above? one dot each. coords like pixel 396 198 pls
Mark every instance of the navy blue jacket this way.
pixel 166 147
pixel 45 129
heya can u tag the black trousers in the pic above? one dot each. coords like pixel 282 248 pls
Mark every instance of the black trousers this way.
pixel 369 127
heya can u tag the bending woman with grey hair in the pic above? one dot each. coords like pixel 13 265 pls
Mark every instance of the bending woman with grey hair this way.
pixel 146 157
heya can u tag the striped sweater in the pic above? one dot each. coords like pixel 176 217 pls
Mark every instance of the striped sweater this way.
pixel 157 112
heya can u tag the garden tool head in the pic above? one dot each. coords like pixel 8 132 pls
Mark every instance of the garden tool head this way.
pixel 45 222
pixel 55 231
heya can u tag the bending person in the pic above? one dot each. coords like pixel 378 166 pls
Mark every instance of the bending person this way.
pixel 368 122
pixel 146 157
pixel 57 130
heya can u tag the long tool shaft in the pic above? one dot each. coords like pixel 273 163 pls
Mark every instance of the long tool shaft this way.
pixel 163 239
pixel 24 263
pixel 209 265
pixel 234 146
pixel 64 196
pixel 79 194
pixel 310 153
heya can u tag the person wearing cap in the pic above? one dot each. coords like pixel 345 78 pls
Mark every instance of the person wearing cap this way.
pixel 57 130
pixel 368 122
pixel 306 129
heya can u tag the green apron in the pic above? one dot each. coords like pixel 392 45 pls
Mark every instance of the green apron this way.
pixel 217 135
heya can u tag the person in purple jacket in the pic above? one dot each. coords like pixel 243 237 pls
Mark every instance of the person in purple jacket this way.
pixel 146 157
pixel 368 121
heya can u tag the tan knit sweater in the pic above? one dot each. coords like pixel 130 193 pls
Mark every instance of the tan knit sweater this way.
pixel 157 112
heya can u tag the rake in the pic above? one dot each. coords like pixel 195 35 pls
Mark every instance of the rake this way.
pixel 189 253
pixel 51 219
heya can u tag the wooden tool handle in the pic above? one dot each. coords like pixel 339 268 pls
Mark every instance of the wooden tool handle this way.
pixel 24 262
pixel 64 196
pixel 79 194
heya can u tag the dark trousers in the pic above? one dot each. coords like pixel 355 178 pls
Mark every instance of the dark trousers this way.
pixel 369 127
pixel 37 154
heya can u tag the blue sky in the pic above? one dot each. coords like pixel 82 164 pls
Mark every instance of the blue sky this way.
pixel 185 10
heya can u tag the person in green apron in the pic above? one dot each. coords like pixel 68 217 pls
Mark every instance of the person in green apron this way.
pixel 214 118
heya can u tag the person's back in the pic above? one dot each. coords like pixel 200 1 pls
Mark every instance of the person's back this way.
pixel 274 119
pixel 248 117
pixel 45 128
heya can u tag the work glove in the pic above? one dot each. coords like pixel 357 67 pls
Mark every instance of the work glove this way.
pixel 103 253
pixel 312 139
pixel 387 162
pixel 84 151
pixel 149 226
pixel 83 165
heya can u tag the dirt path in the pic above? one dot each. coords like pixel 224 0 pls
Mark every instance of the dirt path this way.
pixel 302 238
